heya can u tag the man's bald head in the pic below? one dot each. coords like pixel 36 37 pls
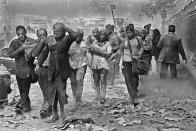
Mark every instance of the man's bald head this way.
pixel 59 30
pixel 59 26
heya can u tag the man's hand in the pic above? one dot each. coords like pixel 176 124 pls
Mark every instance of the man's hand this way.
pixel 37 69
pixel 185 61
pixel 35 62
pixel 90 49
pixel 20 49
pixel 43 40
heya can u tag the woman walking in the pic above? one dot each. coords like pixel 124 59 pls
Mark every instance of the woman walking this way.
pixel 100 51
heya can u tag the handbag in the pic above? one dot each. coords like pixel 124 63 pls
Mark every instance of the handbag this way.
pixel 140 67
pixel 34 76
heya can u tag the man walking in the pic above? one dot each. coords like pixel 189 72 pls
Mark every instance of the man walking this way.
pixel 114 41
pixel 59 69
pixel 78 63
pixel 23 67
pixel 46 109
pixel 170 46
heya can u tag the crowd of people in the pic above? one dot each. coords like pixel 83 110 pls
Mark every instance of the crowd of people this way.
pixel 52 60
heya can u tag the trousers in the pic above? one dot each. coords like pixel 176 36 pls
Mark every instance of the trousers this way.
pixel 131 79
pixel 43 82
pixel 24 87
pixel 164 70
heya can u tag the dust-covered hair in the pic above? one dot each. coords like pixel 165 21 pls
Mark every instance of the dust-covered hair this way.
pixel 43 30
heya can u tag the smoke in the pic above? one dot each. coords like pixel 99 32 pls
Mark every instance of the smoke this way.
pixel 73 8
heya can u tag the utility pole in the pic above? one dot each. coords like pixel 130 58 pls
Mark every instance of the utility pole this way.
pixel 68 6
pixel 113 7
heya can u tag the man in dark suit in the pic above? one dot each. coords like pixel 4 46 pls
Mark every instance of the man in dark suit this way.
pixel 170 46
pixel 59 68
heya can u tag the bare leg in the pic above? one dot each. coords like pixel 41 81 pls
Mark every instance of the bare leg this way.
pixel 61 103
pixel 55 111
pixel 96 76
pixel 80 79
pixel 103 75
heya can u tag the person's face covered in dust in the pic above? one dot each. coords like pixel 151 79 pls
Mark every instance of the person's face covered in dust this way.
pixel 80 33
pixel 21 33
pixel 123 34
pixel 41 34
pixel 130 34
pixel 79 39
pixel 109 29
pixel 102 36
pixel 96 33
pixel 59 31
pixel 143 34
pixel 59 34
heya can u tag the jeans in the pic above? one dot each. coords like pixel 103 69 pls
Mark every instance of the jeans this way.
pixel 131 79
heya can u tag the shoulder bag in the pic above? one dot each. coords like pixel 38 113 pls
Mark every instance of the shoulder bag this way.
pixel 139 66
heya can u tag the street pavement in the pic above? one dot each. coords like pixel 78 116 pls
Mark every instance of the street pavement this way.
pixel 157 100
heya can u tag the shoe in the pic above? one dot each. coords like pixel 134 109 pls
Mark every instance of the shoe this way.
pixel 43 114
pixel 18 110
pixel 66 101
pixel 102 100
pixel 26 109
pixel 78 100
pixel 49 111
pixel 134 101
pixel 96 99
pixel 53 119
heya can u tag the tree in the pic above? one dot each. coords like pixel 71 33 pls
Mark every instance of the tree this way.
pixel 161 7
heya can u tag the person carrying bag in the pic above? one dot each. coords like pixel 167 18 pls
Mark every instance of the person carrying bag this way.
pixel 139 66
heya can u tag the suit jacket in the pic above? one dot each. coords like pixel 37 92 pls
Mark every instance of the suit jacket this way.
pixel 59 57
pixel 171 46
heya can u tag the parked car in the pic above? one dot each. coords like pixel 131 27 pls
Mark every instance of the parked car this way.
pixel 6 61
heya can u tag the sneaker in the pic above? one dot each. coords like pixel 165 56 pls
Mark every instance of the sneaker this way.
pixel 18 110
pixel 43 114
